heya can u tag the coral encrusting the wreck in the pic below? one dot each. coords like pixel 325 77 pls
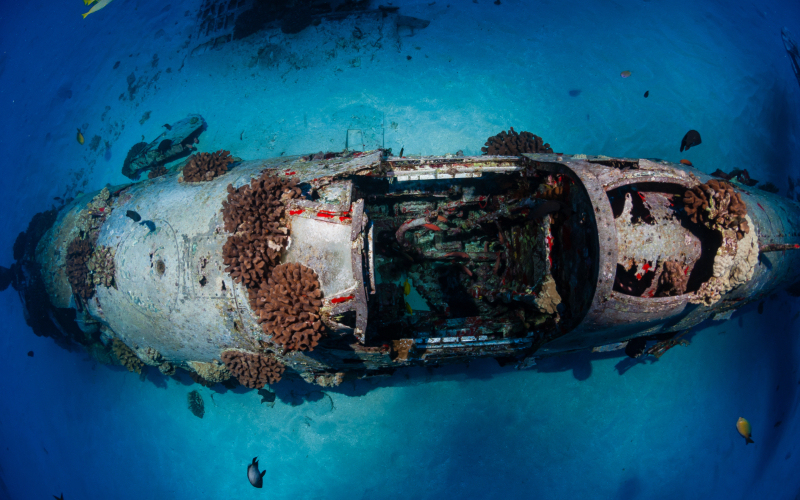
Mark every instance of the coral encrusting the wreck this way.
pixel 288 307
pixel 126 356
pixel 673 280
pixel 101 267
pixel 513 143
pixel 157 171
pixel 254 213
pixel 79 251
pixel 214 372
pixel 127 171
pixel 206 166
pixel 196 405
pixel 251 369
pixel 718 205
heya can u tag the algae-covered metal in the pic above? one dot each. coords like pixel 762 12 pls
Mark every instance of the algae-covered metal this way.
pixel 428 260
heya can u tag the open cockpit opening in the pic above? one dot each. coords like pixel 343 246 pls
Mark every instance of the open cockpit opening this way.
pixel 473 258
pixel 661 252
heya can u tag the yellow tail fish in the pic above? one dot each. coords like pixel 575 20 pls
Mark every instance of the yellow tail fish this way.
pixel 80 137
pixel 99 5
pixel 88 2
pixel 406 288
pixel 743 426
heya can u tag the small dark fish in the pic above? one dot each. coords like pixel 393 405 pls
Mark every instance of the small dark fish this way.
pixel 266 396
pixel 30 354
pixel 692 138
pixel 256 478
pixel 647 93
pixel 149 225
pixel 133 216
pixel 401 152
pixel 59 498
pixel 575 92
pixel 779 422
pixel 164 146
pixel 167 126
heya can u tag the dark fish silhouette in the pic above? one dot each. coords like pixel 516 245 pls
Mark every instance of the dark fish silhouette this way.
pixel 149 225
pixel 30 354
pixel 791 49
pixel 59 498
pixel 575 92
pixel 133 216
pixel 647 93
pixel 692 138
pixel 167 126
pixel 256 478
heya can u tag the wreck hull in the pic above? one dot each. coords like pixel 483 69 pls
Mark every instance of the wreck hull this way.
pixel 172 293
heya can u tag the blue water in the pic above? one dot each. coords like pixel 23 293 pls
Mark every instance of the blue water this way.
pixel 575 426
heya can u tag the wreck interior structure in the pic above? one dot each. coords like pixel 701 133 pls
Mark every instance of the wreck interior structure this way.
pixel 361 262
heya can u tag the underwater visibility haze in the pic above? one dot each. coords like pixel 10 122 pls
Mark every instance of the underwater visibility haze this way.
pixel 353 249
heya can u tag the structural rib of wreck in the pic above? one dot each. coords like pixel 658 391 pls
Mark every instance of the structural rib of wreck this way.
pixel 423 260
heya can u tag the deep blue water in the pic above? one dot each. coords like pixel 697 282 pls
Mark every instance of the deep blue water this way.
pixel 575 426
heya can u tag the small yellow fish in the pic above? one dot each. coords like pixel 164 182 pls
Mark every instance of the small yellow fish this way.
pixel 406 288
pixel 743 426
pixel 625 74
pixel 80 137
pixel 88 2
pixel 408 308
pixel 97 6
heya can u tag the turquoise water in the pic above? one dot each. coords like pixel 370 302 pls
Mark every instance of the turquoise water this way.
pixel 575 426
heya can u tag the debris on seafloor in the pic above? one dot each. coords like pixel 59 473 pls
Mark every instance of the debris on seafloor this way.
pixel 176 142
pixel 196 404
pixel 134 216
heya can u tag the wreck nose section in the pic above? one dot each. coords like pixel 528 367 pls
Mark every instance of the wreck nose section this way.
pixel 675 250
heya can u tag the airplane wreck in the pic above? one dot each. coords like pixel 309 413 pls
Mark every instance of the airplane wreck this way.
pixel 358 263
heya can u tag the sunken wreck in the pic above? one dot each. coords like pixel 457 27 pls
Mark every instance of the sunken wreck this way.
pixel 354 264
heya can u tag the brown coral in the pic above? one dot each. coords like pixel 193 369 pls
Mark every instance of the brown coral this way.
pixel 78 253
pixel 126 356
pixel 288 307
pixel 206 166
pixel 673 280
pixel 513 143
pixel 253 370
pixel 254 213
pixel 157 171
pixel 717 204
pixel 101 267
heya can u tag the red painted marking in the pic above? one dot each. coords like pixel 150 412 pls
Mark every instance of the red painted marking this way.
pixel 296 212
pixel 638 276
pixel 686 271
pixel 645 267
pixel 462 255
pixel 549 240
pixel 759 206
pixel 344 218
pixel 356 155
pixel 325 214
pixel 641 196
pixel 290 172
pixel 339 300
pixel 102 209
pixel 651 293
pixel 797 246
pixel 432 227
